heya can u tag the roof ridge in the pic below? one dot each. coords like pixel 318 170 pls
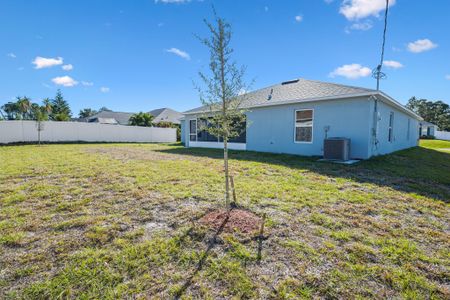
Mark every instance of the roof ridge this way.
pixel 301 89
pixel 338 84
pixel 117 112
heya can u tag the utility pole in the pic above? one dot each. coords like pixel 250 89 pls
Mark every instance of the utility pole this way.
pixel 377 73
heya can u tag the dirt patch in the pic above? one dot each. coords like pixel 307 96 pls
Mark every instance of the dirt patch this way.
pixel 126 154
pixel 241 220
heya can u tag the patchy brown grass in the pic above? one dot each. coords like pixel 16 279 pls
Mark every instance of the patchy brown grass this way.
pixel 120 221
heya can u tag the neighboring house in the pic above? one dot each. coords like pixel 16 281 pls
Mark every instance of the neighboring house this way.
pixel 166 115
pixel 109 117
pixel 123 118
pixel 427 129
pixel 296 116
pixel 103 120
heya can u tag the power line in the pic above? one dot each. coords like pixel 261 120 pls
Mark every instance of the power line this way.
pixel 376 73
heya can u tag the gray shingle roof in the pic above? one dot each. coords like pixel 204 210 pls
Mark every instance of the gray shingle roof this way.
pixel 104 120
pixel 300 90
pixel 121 117
pixel 166 115
pixel 425 123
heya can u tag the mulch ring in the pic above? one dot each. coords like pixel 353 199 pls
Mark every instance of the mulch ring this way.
pixel 239 220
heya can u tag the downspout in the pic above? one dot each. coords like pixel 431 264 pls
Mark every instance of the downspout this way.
pixel 375 121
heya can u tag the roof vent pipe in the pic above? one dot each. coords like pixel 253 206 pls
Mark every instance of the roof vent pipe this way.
pixel 270 95
pixel 290 81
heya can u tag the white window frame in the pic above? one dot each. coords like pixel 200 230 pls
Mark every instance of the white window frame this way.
pixel 297 125
pixel 196 129
pixel 391 127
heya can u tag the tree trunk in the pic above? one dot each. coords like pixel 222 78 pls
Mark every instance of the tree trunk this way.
pixel 227 181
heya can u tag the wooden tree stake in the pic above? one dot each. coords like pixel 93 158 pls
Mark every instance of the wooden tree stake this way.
pixel 261 231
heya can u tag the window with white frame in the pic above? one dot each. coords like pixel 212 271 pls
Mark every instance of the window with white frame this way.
pixel 193 130
pixel 391 127
pixel 304 126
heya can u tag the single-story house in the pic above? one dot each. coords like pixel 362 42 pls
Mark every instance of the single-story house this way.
pixel 166 115
pixel 427 129
pixel 109 117
pixel 111 121
pixel 123 118
pixel 296 116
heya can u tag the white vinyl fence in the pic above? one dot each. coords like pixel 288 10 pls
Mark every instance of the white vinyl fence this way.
pixel 442 135
pixel 27 131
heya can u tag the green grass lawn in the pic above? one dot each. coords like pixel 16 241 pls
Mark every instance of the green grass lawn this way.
pixel 120 221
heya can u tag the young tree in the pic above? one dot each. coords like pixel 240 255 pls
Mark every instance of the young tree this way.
pixel 141 119
pixel 86 113
pixel 60 108
pixel 40 114
pixel 221 97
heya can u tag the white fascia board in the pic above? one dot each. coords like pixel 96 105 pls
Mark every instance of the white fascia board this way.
pixel 398 105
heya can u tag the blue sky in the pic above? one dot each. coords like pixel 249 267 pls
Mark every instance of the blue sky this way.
pixel 141 55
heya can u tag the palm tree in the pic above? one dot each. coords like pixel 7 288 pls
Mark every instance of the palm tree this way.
pixel 141 119
pixel 24 105
pixel 47 104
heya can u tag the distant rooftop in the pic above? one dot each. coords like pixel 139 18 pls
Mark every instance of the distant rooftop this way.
pixel 166 115
pixel 123 118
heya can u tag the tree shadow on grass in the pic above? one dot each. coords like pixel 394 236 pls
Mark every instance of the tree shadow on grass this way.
pixel 212 242
pixel 416 170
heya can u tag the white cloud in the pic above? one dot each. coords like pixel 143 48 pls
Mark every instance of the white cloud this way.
pixel 361 26
pixel 42 62
pixel 447 77
pixel 392 64
pixel 298 18
pixel 66 81
pixel 68 67
pixel 179 53
pixel 87 83
pixel 421 46
pixel 352 71
pixel 359 9
pixel 104 89
pixel 11 55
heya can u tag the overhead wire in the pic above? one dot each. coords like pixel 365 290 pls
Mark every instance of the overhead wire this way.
pixel 377 73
